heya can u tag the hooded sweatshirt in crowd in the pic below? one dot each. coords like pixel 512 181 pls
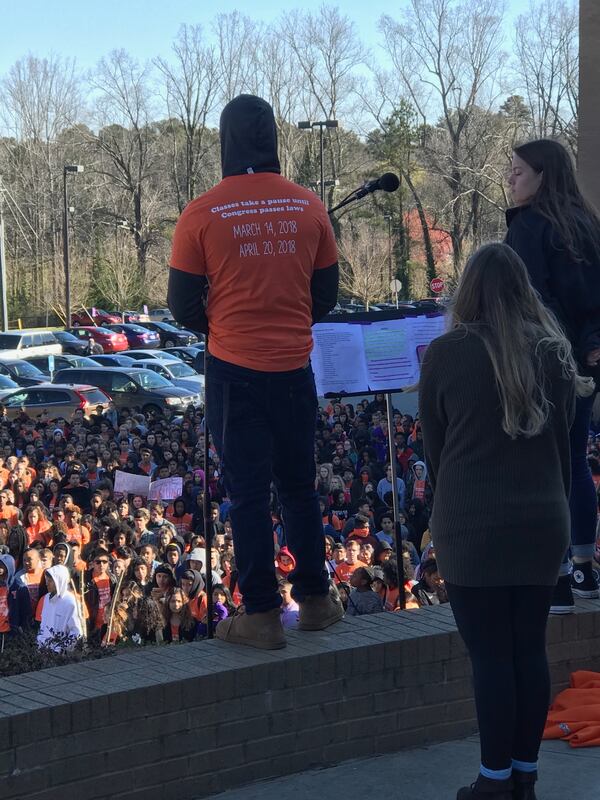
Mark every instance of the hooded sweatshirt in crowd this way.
pixel 15 606
pixel 59 613
pixel 264 246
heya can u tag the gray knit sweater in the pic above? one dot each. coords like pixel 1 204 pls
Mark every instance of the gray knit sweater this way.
pixel 500 512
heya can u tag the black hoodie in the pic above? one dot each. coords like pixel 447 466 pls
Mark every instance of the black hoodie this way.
pixel 248 133
pixel 248 137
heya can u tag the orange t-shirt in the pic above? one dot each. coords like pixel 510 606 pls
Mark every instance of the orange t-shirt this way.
pixel 32 581
pixel 258 239
pixel 103 586
pixel 39 532
pixel 4 620
pixel 79 533
pixel 11 514
pixel 4 476
pixel 199 607
pixel 345 570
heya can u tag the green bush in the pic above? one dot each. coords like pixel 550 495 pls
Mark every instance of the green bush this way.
pixel 23 654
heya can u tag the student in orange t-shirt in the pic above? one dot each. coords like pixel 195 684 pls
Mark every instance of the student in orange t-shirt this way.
pixel 31 575
pixel 99 589
pixel 352 562
pixel 264 249
pixel 8 511
pixel 37 526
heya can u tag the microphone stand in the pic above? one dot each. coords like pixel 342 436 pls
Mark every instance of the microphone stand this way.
pixel 351 198
pixel 358 194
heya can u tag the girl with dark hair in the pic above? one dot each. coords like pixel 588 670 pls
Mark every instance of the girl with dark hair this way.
pixel 557 234
pixel 497 398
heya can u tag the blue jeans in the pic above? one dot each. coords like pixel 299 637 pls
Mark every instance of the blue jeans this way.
pixel 263 426
pixel 583 501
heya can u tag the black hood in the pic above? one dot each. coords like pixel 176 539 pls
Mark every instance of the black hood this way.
pixel 248 137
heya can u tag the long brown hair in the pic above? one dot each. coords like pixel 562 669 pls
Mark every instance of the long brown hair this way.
pixel 495 300
pixel 574 220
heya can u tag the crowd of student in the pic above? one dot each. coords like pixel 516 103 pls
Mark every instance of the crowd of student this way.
pixel 76 559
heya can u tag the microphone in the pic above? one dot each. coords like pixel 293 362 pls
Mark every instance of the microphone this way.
pixel 388 182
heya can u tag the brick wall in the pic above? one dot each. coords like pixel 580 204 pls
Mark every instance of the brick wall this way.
pixel 182 722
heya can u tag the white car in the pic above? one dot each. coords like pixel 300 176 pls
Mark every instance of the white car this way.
pixel 176 372
pixel 23 344
pixel 160 315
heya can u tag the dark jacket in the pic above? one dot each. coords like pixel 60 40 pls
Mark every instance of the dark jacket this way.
pixel 501 509
pixel 19 603
pixel 571 289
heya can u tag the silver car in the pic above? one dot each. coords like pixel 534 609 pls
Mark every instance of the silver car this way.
pixel 178 373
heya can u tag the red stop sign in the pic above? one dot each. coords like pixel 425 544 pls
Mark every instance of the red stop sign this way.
pixel 437 285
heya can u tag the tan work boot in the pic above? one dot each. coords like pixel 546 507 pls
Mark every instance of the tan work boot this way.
pixel 319 611
pixel 263 630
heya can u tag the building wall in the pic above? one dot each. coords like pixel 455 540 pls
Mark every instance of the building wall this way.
pixel 589 99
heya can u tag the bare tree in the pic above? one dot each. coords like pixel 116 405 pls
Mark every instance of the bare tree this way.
pixel 116 277
pixel 547 63
pixel 39 100
pixel 237 38
pixel 125 145
pixel 448 56
pixel 192 84
pixel 364 263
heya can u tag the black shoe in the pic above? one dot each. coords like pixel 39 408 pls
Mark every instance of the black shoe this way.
pixel 487 789
pixel 562 599
pixel 524 785
pixel 584 580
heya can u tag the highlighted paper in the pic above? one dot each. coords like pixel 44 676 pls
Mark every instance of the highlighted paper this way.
pixel 366 357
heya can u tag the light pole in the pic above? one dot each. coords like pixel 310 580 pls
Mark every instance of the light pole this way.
pixel 308 125
pixel 3 262
pixel 67 168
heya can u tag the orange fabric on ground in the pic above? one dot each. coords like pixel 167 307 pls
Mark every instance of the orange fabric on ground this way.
pixel 575 713
pixel 258 238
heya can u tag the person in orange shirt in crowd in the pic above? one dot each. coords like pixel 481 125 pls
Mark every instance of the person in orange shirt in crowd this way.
pixel 266 249
pixel 99 589
pixel 177 516
pixel 4 473
pixel 8 510
pixel 76 530
pixel 352 562
pixel 192 583
pixel 31 575
pixel 37 525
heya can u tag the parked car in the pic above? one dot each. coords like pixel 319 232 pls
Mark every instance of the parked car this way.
pixel 160 315
pixel 7 383
pixel 109 341
pixel 192 355
pixel 137 336
pixel 22 372
pixel 161 355
pixel 57 400
pixel 70 344
pixel 170 336
pixel 131 316
pixel 18 344
pixel 113 360
pixel 51 364
pixel 178 373
pixel 132 388
pixel 94 316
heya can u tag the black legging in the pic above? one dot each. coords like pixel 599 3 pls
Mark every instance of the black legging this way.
pixel 504 629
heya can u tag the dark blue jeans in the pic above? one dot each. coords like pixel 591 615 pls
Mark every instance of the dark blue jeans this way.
pixel 263 427
pixel 583 501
